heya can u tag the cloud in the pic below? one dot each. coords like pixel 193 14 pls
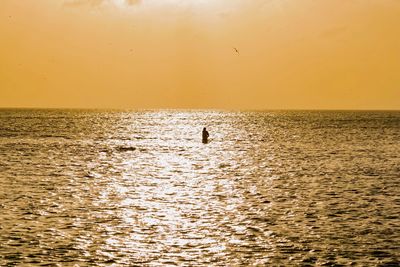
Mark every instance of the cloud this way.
pixel 95 3
pixel 132 2
pixel 76 3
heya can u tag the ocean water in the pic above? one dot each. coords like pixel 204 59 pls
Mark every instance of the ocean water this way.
pixel 126 188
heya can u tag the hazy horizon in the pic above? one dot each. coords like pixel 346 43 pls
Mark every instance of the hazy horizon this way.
pixel 195 109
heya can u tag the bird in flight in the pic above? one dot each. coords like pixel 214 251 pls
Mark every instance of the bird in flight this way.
pixel 237 51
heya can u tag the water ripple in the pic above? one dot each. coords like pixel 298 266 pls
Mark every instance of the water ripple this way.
pixel 108 188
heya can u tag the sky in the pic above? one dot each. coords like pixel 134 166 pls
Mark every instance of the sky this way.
pixel 218 54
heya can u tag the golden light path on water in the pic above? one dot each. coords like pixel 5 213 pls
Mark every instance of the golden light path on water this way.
pixel 182 201
pixel 108 188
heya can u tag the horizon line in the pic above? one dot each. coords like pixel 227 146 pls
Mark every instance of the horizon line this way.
pixel 192 109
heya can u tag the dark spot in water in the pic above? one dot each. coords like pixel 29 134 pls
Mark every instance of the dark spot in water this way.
pixel 380 254
pixel 125 149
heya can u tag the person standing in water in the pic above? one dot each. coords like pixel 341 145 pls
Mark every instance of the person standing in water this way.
pixel 205 136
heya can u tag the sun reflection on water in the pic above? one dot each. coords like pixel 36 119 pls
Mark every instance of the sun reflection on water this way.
pixel 175 201
pixel 143 189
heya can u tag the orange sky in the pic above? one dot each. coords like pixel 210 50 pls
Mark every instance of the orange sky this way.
pixel 294 54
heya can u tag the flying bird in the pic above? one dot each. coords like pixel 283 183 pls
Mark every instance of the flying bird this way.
pixel 237 51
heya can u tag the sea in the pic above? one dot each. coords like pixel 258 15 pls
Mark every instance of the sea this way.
pixel 139 188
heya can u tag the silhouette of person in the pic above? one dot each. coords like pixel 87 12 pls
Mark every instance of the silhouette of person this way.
pixel 205 135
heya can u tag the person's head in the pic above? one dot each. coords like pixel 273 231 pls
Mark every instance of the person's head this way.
pixel 204 128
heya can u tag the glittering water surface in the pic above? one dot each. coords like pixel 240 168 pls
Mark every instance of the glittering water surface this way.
pixel 107 188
